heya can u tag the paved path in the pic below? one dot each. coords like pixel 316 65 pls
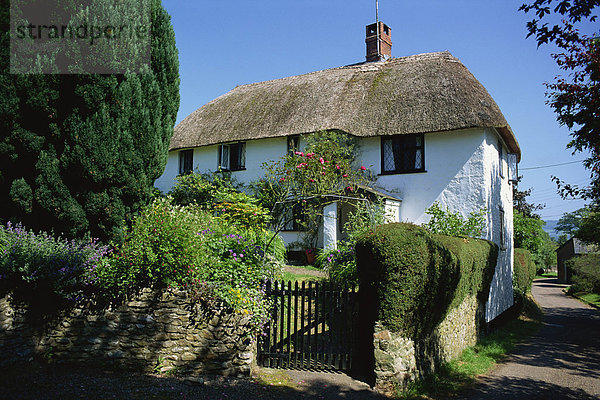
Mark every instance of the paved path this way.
pixel 561 362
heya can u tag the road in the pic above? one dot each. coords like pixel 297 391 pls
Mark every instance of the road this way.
pixel 562 361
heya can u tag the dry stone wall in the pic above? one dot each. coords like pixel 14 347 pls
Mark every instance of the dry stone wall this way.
pixel 399 360
pixel 156 331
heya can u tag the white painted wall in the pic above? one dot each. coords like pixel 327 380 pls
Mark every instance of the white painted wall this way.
pixel 499 195
pixel 462 173
pixel 206 160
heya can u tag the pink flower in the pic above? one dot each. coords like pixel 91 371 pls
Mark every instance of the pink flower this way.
pixel 321 160
pixel 345 175
pixel 281 179
pixel 363 168
pixel 311 180
pixel 337 167
pixel 299 153
pixel 309 155
pixel 322 173
pixel 348 188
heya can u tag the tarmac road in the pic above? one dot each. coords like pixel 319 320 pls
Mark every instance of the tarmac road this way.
pixel 561 362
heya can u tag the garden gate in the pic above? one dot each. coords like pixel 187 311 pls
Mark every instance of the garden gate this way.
pixel 312 326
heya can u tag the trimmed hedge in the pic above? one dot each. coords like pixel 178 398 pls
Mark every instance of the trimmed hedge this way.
pixel 415 277
pixel 524 272
pixel 586 273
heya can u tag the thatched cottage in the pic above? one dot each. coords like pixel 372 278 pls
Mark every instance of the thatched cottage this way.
pixel 426 126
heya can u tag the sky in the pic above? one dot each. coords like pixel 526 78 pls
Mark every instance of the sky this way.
pixel 224 43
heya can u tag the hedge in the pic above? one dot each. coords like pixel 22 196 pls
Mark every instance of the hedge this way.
pixel 524 272
pixel 586 273
pixel 416 277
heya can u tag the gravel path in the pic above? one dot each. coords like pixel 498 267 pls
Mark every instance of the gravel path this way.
pixel 562 361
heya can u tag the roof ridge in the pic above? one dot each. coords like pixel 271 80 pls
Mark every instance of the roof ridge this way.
pixel 367 66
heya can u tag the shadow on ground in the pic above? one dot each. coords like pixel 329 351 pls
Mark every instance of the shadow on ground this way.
pixel 52 382
pixel 525 388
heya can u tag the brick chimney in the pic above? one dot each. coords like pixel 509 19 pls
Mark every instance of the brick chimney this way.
pixel 384 50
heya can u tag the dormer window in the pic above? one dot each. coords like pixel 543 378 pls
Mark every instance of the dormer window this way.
pixel 186 162
pixel 232 157
pixel 401 154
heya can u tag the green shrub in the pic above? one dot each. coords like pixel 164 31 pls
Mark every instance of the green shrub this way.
pixel 40 267
pixel 586 273
pixel 340 264
pixel 217 192
pixel 172 245
pixel 477 263
pixel 523 274
pixel 453 224
pixel 416 277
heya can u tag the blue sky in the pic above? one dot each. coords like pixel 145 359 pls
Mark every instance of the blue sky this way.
pixel 223 44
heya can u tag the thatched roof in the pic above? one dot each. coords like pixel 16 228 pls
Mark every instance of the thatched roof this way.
pixel 431 92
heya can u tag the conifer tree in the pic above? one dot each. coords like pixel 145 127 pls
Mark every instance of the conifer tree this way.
pixel 79 153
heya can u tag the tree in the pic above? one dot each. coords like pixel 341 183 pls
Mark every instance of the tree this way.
pixel 582 224
pixel 570 222
pixel 574 98
pixel 589 228
pixel 521 204
pixel 79 153
pixel 530 235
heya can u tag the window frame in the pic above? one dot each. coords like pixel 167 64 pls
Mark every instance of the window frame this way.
pixel 241 159
pixel 416 148
pixel 293 144
pixel 186 161
pixel 296 216
pixel 501 158
pixel 502 238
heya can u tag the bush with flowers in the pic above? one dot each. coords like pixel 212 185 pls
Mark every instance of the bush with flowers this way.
pixel 39 267
pixel 324 171
pixel 190 247
pixel 220 193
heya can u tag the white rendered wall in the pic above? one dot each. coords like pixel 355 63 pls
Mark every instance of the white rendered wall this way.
pixel 499 196
pixel 462 173
pixel 453 177
pixel 206 160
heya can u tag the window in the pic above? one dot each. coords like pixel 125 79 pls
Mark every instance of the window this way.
pixel 293 144
pixel 500 159
pixel 502 235
pixel 402 154
pixel 186 162
pixel 294 217
pixel 232 157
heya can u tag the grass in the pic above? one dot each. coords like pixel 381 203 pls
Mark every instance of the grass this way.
pixel 458 375
pixel 299 275
pixel 547 275
pixel 589 298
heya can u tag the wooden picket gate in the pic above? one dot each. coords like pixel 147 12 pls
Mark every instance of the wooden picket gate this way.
pixel 312 326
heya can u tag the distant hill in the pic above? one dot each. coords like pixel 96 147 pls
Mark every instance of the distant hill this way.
pixel 549 227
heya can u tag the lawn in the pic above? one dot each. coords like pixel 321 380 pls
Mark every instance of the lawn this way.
pixel 589 298
pixel 547 275
pixel 303 273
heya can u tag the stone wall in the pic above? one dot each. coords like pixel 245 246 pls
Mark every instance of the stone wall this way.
pixel 156 331
pixel 399 360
